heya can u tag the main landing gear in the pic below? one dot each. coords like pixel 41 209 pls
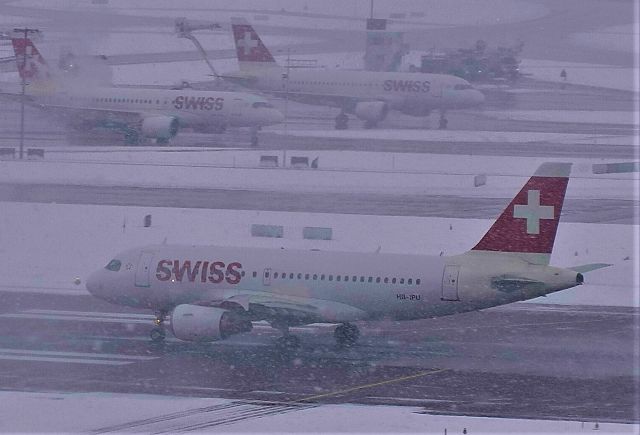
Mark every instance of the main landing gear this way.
pixel 342 121
pixel 287 341
pixel 346 335
pixel 254 136
pixel 442 122
pixel 158 333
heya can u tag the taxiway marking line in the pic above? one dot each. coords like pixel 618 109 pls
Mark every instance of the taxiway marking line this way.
pixel 375 384
pixel 64 360
pixel 75 354
pixel 91 314
pixel 75 318
pixel 519 325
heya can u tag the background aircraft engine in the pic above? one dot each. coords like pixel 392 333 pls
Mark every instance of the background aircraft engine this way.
pixel 197 323
pixel 371 111
pixel 160 127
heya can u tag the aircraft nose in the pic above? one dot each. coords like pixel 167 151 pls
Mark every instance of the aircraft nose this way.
pixel 477 96
pixel 94 284
pixel 276 116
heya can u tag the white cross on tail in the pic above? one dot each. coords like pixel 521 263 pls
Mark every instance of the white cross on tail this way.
pixel 533 212
pixel 247 43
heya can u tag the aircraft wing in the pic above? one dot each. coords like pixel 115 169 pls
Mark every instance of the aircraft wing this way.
pixel 292 309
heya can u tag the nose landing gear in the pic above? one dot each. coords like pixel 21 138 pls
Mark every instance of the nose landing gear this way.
pixel 158 333
pixel 342 121
pixel 346 335
pixel 443 121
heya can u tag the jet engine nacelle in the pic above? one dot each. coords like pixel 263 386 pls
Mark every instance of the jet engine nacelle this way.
pixel 197 323
pixel 160 127
pixel 372 111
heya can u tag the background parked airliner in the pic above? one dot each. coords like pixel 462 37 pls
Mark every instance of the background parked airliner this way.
pixel 367 94
pixel 210 293
pixel 136 112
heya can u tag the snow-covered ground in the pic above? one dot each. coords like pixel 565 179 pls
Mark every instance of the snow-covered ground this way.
pixel 619 38
pixel 34 235
pixel 329 14
pixel 567 116
pixel 588 74
pixel 86 412
pixel 343 172
pixel 468 136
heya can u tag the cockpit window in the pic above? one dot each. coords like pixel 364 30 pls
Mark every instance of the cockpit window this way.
pixel 462 86
pixel 259 104
pixel 114 265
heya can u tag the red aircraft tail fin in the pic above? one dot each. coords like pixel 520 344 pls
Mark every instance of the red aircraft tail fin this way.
pixel 250 49
pixel 31 65
pixel 529 223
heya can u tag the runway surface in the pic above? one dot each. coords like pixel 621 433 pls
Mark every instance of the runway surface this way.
pixel 523 360
pixel 578 210
pixel 498 362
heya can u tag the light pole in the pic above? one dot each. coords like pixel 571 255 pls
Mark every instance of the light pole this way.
pixel 23 72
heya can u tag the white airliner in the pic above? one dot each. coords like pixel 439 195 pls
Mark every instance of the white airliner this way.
pixel 136 112
pixel 209 293
pixel 367 94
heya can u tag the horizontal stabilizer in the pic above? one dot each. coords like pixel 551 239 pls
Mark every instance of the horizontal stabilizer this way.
pixel 589 267
pixel 510 284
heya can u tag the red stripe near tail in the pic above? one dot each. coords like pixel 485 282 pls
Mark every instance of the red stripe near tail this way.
pixel 530 221
pixel 249 46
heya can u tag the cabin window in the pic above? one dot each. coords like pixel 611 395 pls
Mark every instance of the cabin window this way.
pixel 315 277
pixel 393 281
pixel 299 276
pixel 401 280
pixel 322 277
pixel 410 281
pixel 306 276
pixel 338 278
pixel 386 280
pixel 330 277
pixel 255 274
pixel 362 279
pixel 243 273
pixel 291 276
pixel 370 279
pixel 275 275
pixel 378 280
pixel 418 281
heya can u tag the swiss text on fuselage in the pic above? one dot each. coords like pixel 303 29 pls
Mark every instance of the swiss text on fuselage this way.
pixel 406 85
pixel 199 271
pixel 198 103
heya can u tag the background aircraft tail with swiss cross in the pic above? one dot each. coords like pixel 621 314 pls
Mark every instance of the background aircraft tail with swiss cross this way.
pixel 32 66
pixel 527 227
pixel 251 51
